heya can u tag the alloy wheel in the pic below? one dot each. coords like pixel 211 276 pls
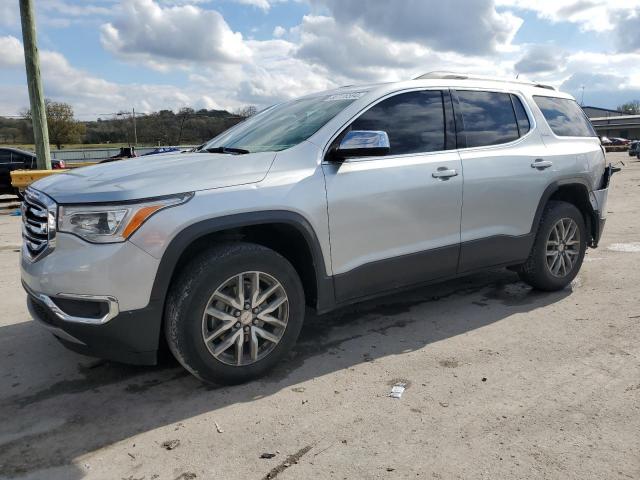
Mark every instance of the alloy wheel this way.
pixel 245 318
pixel 563 247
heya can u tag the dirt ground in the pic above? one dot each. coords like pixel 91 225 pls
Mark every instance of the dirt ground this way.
pixel 502 383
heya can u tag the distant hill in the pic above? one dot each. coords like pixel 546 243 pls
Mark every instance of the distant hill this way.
pixel 165 127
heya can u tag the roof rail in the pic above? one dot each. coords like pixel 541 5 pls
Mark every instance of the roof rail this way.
pixel 443 75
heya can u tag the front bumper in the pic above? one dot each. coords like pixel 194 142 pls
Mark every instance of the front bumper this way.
pixel 96 299
pixel 129 337
pixel 76 267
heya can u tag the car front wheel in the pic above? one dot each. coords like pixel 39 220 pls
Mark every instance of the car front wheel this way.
pixel 234 312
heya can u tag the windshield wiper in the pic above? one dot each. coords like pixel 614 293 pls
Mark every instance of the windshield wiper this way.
pixel 234 151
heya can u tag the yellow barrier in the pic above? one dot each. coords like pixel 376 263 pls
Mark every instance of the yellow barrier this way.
pixel 21 179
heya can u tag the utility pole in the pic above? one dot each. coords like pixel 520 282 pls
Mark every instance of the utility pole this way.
pixel 34 82
pixel 582 96
pixel 135 132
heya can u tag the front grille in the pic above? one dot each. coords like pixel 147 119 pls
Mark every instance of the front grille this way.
pixel 38 224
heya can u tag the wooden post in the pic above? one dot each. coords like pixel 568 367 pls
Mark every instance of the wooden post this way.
pixel 34 82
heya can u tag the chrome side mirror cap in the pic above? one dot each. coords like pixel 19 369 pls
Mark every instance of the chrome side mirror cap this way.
pixel 363 143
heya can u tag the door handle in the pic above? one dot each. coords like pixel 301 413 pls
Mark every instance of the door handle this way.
pixel 444 173
pixel 541 164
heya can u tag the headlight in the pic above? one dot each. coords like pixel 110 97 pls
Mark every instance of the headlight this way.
pixel 112 222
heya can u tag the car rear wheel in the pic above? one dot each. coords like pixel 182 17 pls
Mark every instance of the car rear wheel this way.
pixel 234 312
pixel 558 250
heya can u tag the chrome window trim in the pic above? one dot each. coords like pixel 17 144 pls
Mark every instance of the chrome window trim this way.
pixel 523 99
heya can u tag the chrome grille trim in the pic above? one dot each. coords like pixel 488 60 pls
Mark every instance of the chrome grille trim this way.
pixel 38 224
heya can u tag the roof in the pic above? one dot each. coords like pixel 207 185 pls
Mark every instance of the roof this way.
pixel 602 109
pixel 18 150
pixel 616 118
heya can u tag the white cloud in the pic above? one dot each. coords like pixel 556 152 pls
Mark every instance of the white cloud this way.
pixel 274 75
pixel 455 25
pixel 541 58
pixel 143 30
pixel 353 52
pixel 591 15
pixel 89 94
pixel 262 4
pixel 340 43
pixel 601 88
pixel 11 53
pixel 628 30
pixel 356 54
pixel 609 79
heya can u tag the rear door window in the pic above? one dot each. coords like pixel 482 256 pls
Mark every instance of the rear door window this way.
pixel 414 121
pixel 18 161
pixel 565 117
pixel 489 118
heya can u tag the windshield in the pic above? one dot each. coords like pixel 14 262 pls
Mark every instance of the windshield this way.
pixel 284 125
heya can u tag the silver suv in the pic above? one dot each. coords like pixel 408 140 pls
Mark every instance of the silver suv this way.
pixel 322 201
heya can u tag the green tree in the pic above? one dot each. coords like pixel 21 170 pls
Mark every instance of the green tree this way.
pixel 630 108
pixel 63 128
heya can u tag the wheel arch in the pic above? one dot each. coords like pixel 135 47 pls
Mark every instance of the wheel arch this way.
pixel 288 233
pixel 574 191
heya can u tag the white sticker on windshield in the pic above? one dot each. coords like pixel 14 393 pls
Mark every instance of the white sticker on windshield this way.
pixel 344 96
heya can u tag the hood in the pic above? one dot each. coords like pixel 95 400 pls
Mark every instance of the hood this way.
pixel 154 176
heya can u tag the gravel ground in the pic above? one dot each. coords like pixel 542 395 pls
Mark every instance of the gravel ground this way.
pixel 502 382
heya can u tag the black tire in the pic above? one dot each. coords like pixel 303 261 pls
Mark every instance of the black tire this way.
pixel 191 291
pixel 535 271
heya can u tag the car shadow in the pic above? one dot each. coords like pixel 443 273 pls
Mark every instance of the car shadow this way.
pixel 99 403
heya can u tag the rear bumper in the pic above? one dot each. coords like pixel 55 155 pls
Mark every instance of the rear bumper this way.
pixel 129 337
pixel 598 199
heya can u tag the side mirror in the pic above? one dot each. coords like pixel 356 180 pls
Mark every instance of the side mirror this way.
pixel 363 143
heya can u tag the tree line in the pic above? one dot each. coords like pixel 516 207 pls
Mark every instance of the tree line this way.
pixel 630 108
pixel 165 127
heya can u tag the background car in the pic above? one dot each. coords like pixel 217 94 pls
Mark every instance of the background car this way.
pixel 15 159
pixel 158 150
pixel 605 141
pixel 634 148
pixel 125 152
pixel 619 141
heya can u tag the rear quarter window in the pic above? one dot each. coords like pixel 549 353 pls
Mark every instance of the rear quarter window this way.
pixel 565 117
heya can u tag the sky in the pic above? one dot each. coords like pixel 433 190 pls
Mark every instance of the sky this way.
pixel 105 56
